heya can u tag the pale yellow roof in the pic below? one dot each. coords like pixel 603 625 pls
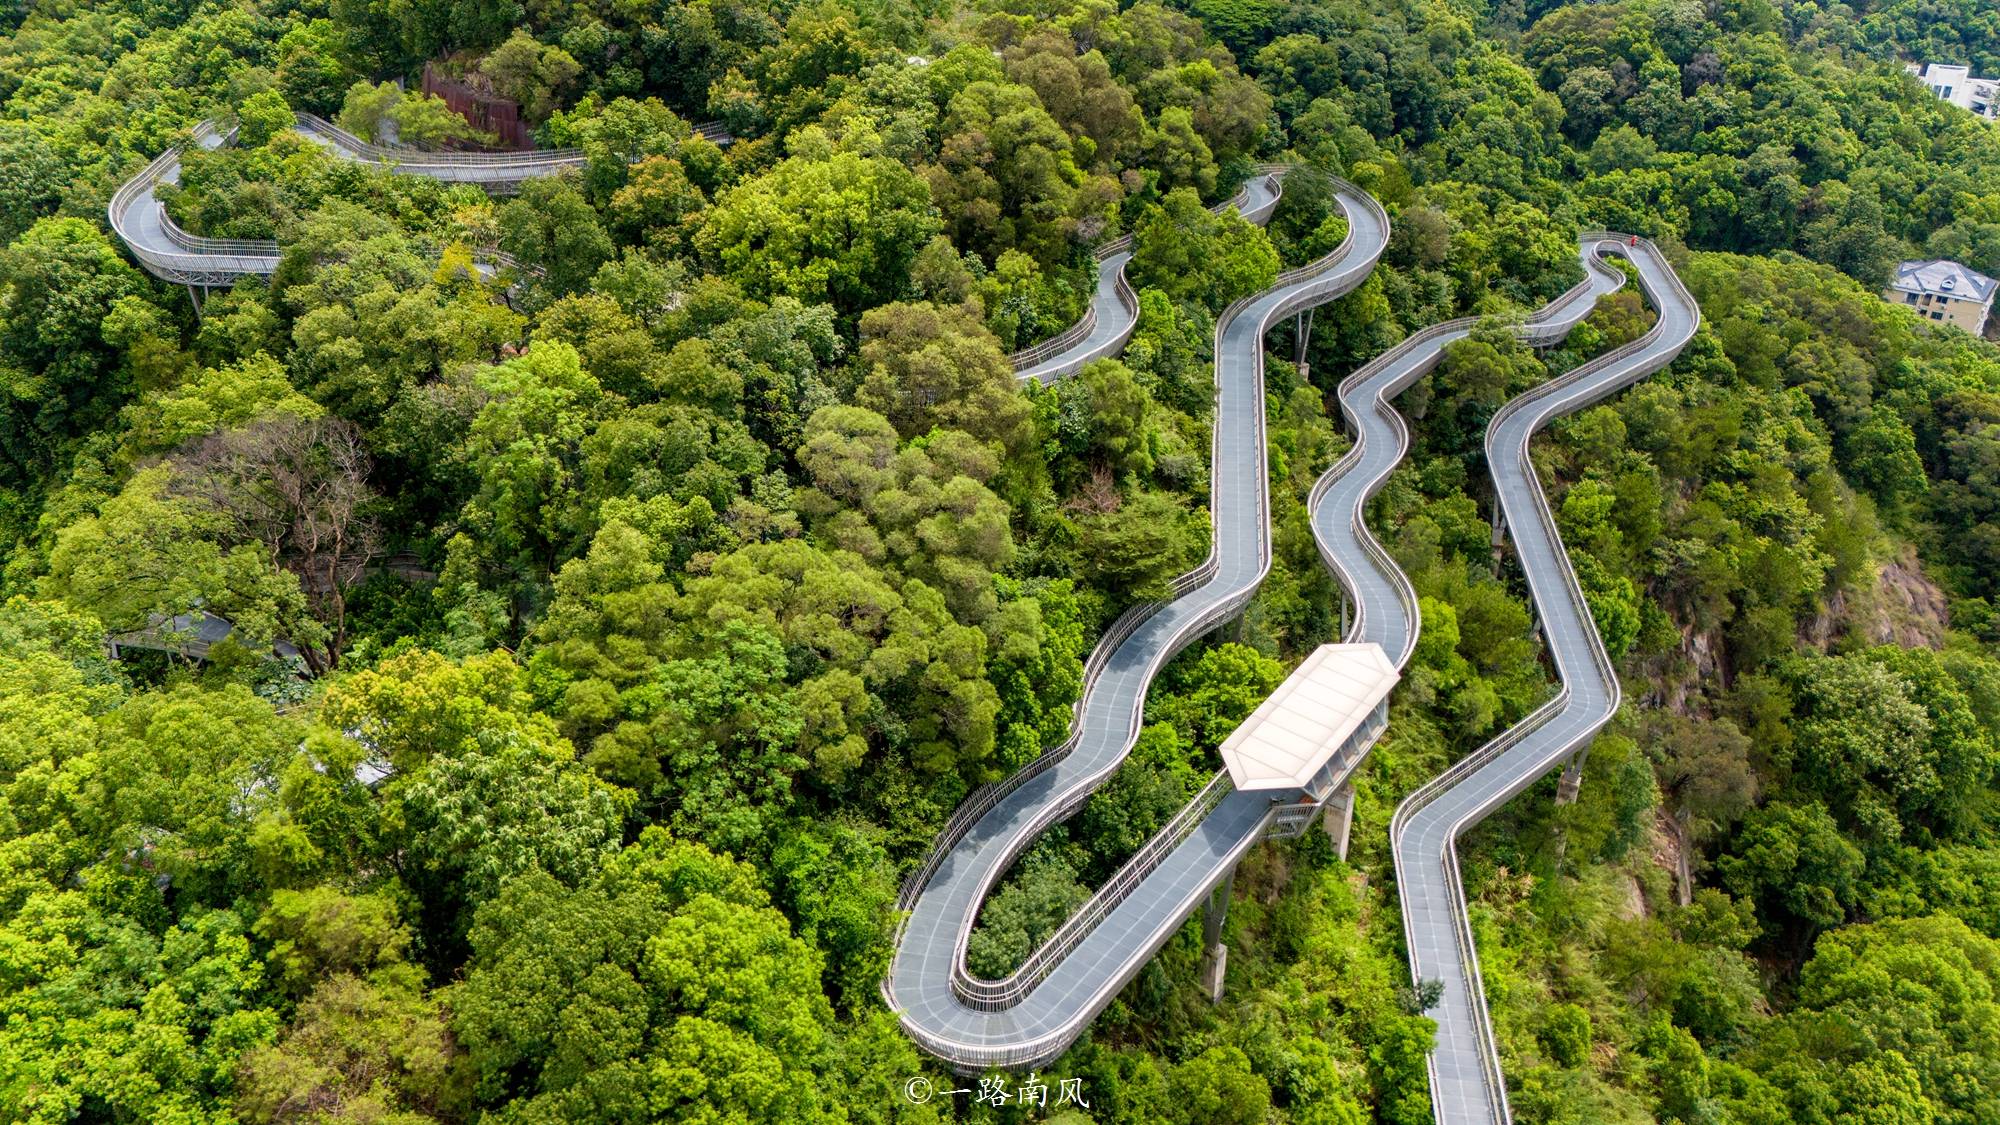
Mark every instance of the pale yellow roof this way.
pixel 1291 734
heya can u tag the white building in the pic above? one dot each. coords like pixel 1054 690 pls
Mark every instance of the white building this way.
pixel 1303 742
pixel 1937 289
pixel 1958 85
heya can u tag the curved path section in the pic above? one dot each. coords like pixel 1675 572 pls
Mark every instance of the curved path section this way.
pixel 1035 1014
pixel 1114 309
pixel 172 254
pixel 1385 605
pixel 1466 1084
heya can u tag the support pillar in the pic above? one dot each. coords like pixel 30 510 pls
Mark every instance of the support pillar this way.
pixel 1302 326
pixel 197 294
pixel 1339 818
pixel 1215 959
pixel 1343 615
pixel 1571 782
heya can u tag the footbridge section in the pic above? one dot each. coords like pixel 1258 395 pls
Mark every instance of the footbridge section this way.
pixel 1036 1013
pixel 171 254
pixel 1108 323
pixel 1467 1087
pixel 1384 606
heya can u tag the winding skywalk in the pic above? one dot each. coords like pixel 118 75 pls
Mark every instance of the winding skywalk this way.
pixel 1034 1015
pixel 1467 1087
pixel 1108 323
pixel 1385 605
pixel 171 254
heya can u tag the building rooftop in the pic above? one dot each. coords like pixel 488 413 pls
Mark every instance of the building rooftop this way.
pixel 1944 278
pixel 189 634
pixel 1292 733
pixel 1957 84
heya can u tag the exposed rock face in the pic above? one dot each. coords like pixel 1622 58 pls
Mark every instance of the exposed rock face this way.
pixel 1903 608
pixel 1910 610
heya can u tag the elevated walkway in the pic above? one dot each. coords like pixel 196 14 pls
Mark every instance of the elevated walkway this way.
pixel 1033 1016
pixel 171 254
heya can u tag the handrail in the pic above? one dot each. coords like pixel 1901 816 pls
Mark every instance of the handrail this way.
pixel 1469 969
pixel 992 995
pixel 369 152
pixel 981 801
pixel 998 993
pixel 1062 341
pixel 1085 325
pixel 197 260
pixel 1042 1048
pixel 1377 554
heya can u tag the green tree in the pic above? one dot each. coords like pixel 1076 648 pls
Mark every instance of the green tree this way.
pixel 667 986
pixel 841 230
pixel 1924 990
pixel 525 447
pixel 1795 860
pixel 428 121
pixel 1006 178
pixel 58 282
pixel 552 227
pixel 1192 254
pixel 1219 1086
pixel 1023 914
pixel 262 116
pixel 926 511
pixel 1134 549
pixel 928 367
pixel 531 73
pixel 367 105
pixel 313 69
pixel 137 1025
pixel 149 557
pixel 484 812
pixel 356 1050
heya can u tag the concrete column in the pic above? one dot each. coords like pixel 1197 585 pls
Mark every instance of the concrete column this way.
pixel 1571 782
pixel 1213 968
pixel 1215 958
pixel 1339 818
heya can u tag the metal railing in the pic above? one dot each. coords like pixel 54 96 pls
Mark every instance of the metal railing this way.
pixel 1428 793
pixel 1034 356
pixel 982 800
pixel 190 259
pixel 196 260
pixel 1376 554
pixel 534 161
pixel 1044 1048
pixel 1061 342
pixel 994 995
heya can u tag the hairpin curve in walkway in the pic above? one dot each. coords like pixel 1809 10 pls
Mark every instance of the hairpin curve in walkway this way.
pixel 1037 1013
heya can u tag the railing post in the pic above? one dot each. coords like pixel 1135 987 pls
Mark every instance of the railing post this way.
pixel 1215 959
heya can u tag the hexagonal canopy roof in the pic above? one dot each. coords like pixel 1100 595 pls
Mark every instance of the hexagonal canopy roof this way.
pixel 1292 734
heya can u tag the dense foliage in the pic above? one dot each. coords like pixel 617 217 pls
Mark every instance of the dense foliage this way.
pixel 610 637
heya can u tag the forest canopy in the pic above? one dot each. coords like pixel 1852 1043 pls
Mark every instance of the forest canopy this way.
pixel 626 576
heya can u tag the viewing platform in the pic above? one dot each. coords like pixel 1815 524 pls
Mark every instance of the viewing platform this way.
pixel 1310 733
